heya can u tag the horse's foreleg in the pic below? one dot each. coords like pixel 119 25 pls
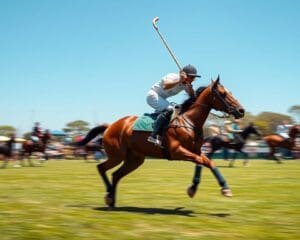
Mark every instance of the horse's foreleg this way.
pixel 29 159
pixel 232 161
pixel 182 153
pixel 221 180
pixel 191 191
pixel 246 161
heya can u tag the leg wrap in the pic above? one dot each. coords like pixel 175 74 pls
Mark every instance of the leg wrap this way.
pixel 197 175
pixel 219 178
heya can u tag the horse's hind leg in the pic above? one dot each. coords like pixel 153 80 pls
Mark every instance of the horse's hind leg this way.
pixel 273 156
pixel 102 168
pixel 132 162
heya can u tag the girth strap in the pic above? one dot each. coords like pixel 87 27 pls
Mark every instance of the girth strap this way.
pixel 188 125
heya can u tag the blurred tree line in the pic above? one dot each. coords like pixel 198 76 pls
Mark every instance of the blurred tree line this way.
pixel 265 121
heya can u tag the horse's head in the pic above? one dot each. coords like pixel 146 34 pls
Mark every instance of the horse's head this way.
pixel 223 100
pixel 294 131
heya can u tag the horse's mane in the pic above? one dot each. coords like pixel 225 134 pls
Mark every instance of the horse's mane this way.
pixel 188 102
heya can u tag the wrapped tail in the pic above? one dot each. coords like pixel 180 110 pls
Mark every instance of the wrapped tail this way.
pixel 94 132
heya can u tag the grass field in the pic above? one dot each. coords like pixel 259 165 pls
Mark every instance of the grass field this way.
pixel 64 200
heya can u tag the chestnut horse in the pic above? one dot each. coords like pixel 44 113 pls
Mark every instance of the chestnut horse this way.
pixel 182 139
pixel 276 141
pixel 29 147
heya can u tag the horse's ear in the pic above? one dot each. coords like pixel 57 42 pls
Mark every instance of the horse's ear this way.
pixel 218 79
pixel 216 82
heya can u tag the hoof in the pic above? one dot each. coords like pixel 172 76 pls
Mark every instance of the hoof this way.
pixel 226 192
pixel 109 201
pixel 191 191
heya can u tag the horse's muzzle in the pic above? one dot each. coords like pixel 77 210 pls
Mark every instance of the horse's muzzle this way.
pixel 239 113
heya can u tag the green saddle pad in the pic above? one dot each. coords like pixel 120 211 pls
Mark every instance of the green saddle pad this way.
pixel 145 122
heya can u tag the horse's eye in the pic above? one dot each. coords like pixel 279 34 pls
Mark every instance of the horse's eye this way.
pixel 224 94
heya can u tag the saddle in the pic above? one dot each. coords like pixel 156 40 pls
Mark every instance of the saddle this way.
pixel 145 122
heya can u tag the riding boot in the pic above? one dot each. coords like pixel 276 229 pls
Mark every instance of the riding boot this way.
pixel 158 127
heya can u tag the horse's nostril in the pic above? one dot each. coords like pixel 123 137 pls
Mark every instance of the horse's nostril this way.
pixel 242 111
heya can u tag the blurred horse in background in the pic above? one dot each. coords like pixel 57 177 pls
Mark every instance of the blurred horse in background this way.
pixel 217 142
pixel 29 146
pixel 95 148
pixel 275 141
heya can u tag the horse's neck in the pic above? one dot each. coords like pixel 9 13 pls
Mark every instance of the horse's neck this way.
pixel 198 112
pixel 245 134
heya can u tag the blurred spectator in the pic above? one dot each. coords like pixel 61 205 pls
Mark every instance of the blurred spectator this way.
pixel 36 134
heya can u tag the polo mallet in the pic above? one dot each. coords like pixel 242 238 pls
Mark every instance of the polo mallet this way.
pixel 154 21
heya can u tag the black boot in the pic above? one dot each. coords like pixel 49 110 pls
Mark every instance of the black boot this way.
pixel 158 126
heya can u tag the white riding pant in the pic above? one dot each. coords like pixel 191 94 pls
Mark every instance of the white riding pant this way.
pixel 284 135
pixel 34 138
pixel 157 102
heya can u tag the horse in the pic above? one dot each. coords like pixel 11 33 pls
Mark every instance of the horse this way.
pixel 28 147
pixel 217 142
pixel 182 139
pixel 7 152
pixel 276 141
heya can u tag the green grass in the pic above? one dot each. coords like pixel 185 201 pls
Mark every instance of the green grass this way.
pixel 64 200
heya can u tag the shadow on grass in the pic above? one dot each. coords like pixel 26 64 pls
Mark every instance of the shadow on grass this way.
pixel 180 211
pixel 163 211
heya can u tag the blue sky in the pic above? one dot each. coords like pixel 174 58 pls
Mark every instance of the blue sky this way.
pixel 63 60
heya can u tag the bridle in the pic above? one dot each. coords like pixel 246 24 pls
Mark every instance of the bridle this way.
pixel 221 97
pixel 189 125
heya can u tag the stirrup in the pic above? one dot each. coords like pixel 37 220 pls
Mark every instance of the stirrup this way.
pixel 154 140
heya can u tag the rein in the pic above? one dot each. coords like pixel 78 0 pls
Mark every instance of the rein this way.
pixel 229 108
pixel 190 125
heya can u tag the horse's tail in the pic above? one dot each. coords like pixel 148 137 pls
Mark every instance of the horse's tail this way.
pixel 94 132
